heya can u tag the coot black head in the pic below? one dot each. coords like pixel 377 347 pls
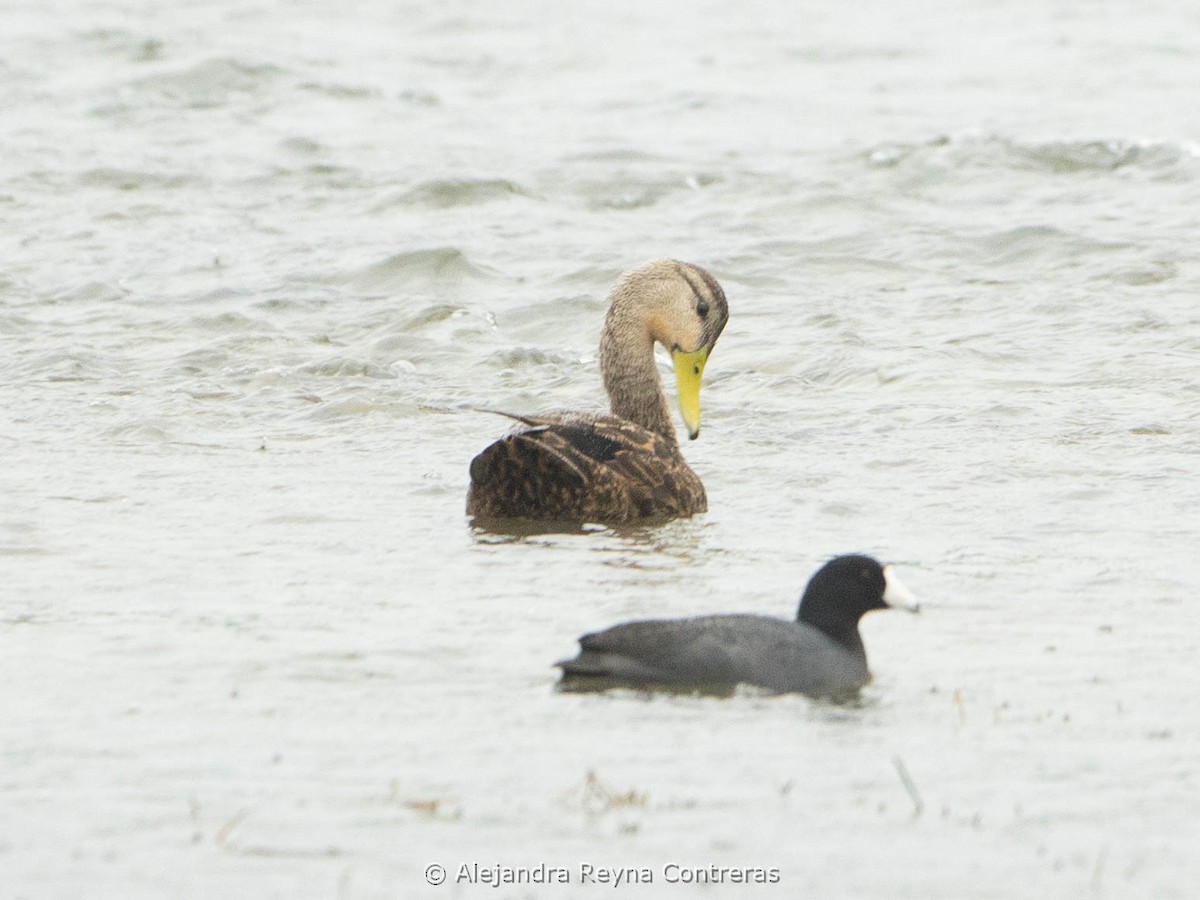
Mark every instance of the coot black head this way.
pixel 844 590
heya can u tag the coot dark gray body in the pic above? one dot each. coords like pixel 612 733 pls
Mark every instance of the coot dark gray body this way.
pixel 820 653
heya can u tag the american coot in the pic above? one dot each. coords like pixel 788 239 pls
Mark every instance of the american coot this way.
pixel 820 654
pixel 625 466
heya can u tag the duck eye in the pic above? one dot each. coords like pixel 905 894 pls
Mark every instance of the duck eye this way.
pixel 702 308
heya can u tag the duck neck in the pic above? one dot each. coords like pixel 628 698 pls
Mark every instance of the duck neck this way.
pixel 630 375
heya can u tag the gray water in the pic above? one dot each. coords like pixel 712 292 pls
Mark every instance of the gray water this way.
pixel 258 264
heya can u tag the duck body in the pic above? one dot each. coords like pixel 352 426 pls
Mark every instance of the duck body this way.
pixel 820 653
pixel 625 466
pixel 582 468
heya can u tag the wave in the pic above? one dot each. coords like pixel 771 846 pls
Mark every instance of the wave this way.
pixel 440 266
pixel 447 193
pixel 211 82
pixel 1158 159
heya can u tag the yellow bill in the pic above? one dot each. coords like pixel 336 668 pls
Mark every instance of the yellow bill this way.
pixel 688 369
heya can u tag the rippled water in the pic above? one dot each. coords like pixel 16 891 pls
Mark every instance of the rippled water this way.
pixel 259 263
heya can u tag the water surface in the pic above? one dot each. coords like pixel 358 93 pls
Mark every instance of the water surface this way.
pixel 260 264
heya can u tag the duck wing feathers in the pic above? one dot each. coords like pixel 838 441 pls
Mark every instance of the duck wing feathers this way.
pixel 583 468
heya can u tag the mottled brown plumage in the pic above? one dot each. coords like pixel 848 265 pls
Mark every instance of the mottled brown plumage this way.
pixel 626 466
pixel 583 469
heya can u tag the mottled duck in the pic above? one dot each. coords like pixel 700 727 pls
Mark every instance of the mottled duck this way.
pixel 626 466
